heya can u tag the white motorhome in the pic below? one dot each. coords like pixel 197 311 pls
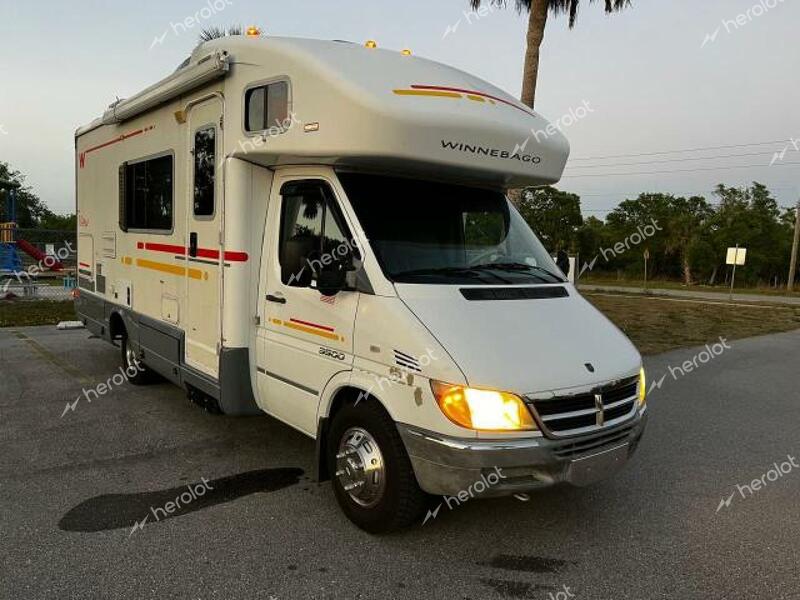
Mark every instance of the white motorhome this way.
pixel 318 231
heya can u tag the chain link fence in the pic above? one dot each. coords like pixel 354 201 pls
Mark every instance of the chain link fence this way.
pixel 37 264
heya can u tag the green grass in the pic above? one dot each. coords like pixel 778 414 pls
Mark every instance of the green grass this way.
pixel 658 324
pixel 24 313
pixel 664 284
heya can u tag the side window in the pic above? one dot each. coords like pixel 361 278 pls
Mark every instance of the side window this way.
pixel 267 107
pixel 205 151
pixel 313 235
pixel 146 194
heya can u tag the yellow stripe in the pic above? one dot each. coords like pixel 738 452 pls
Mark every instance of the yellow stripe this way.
pixel 427 93
pixel 325 334
pixel 476 98
pixel 166 268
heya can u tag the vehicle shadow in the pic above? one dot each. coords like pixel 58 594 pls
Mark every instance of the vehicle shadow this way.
pixel 115 511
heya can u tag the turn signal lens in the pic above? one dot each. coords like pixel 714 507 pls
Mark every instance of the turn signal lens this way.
pixel 484 410
pixel 642 387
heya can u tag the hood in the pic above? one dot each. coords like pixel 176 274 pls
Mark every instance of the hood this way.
pixel 524 346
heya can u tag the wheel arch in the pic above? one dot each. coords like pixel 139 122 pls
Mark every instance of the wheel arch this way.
pixel 338 394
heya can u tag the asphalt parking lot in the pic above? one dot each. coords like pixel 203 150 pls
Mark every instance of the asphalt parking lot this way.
pixel 673 524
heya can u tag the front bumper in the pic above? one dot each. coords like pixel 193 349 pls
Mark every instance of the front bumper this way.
pixel 448 466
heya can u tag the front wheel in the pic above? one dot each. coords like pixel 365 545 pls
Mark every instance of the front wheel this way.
pixel 373 480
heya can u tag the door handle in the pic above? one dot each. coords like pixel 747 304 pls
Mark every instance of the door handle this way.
pixel 193 244
pixel 276 299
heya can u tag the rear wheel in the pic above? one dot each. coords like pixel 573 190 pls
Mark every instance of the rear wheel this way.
pixel 373 480
pixel 135 370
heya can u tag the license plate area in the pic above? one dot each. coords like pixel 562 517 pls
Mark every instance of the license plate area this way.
pixel 597 467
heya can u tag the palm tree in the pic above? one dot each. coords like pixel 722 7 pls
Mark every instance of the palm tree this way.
pixel 537 20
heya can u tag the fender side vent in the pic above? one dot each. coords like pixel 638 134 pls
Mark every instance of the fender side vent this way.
pixel 514 293
pixel 406 361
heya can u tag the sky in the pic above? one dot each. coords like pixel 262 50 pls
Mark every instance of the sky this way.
pixel 661 76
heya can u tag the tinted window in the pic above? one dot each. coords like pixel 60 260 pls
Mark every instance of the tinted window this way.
pixel 267 106
pixel 204 171
pixel 312 232
pixel 148 194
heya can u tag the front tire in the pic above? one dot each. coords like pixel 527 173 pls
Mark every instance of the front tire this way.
pixel 373 480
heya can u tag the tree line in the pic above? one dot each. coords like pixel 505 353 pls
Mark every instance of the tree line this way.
pixel 31 212
pixel 690 243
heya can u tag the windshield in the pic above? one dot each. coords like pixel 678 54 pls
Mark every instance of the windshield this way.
pixel 424 232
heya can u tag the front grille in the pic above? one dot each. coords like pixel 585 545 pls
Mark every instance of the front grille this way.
pixel 586 412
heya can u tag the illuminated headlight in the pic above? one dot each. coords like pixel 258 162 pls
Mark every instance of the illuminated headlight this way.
pixel 484 410
pixel 642 388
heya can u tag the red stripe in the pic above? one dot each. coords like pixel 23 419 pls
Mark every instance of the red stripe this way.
pixel 230 256
pixel 169 248
pixel 236 256
pixel 85 265
pixel 121 138
pixel 473 92
pixel 331 329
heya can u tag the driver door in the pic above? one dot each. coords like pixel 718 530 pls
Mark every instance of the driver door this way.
pixel 307 337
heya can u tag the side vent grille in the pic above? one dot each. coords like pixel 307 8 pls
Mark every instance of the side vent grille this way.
pixel 406 361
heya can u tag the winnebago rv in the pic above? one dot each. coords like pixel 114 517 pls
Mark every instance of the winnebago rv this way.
pixel 319 231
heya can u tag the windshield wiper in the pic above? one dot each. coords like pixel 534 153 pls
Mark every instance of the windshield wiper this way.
pixel 515 266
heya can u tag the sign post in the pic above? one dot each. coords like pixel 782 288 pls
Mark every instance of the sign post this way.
pixel 646 258
pixel 736 257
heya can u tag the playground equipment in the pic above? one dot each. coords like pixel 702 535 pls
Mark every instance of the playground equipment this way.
pixel 9 258
pixel 11 244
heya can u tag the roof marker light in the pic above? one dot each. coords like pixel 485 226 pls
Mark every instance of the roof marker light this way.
pixel 406 52
pixel 371 44
pixel 253 31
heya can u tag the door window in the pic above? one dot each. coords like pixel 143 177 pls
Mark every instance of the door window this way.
pixel 313 235
pixel 205 148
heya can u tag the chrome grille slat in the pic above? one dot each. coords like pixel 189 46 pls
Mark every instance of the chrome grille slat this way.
pixel 567 415
pixel 587 412
pixel 619 403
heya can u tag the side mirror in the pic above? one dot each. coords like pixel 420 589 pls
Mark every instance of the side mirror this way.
pixel 332 281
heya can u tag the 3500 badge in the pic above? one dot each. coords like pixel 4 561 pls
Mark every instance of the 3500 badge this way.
pixel 332 353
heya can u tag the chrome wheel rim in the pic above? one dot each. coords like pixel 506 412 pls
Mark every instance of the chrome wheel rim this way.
pixel 360 468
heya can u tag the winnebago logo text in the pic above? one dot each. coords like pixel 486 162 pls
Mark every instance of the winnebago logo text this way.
pixel 493 152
